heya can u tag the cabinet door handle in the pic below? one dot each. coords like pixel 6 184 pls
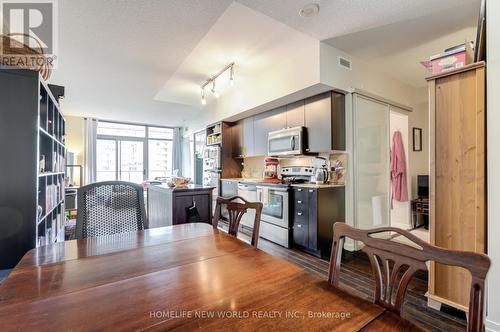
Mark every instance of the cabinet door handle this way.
pixel 299 226
pixel 299 202
pixel 299 189
pixel 311 190
pixel 299 213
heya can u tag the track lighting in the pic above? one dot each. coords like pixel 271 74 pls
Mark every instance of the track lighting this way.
pixel 231 76
pixel 212 81
pixel 214 92
pixel 203 99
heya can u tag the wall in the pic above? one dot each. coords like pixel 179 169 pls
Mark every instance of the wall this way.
pixel 363 76
pixel 75 130
pixel 493 160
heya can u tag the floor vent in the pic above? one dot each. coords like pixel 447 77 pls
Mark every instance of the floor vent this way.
pixel 345 63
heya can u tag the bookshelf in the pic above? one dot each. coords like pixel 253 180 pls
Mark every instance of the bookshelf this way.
pixel 33 163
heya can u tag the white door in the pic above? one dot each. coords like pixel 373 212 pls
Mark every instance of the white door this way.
pixel 371 163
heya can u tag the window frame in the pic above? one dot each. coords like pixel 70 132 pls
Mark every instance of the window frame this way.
pixel 144 140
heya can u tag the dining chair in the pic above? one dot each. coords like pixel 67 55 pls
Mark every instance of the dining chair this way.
pixel 110 207
pixel 394 264
pixel 236 210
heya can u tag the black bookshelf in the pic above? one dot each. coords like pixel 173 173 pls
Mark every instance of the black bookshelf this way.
pixel 32 129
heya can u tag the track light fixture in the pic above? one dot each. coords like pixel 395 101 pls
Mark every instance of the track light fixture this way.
pixel 212 79
pixel 203 99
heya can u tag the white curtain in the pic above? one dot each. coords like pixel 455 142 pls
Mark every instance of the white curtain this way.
pixel 90 143
pixel 177 151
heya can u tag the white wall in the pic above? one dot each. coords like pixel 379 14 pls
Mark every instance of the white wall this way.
pixel 363 76
pixel 493 160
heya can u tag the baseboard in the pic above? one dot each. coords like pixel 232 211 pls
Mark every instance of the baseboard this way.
pixel 492 326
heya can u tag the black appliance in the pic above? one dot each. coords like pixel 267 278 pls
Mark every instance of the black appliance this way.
pixel 423 186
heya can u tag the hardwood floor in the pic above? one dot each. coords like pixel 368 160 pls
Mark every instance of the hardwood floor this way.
pixel 357 279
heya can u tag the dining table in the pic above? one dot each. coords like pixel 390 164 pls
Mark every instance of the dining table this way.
pixel 182 277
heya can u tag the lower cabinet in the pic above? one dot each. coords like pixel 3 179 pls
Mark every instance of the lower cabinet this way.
pixel 168 207
pixel 315 210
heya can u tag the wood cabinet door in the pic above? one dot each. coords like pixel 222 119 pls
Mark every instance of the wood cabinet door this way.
pixel 318 120
pixel 203 202
pixel 181 203
pixel 265 123
pixel 237 139
pixel 458 220
pixel 295 114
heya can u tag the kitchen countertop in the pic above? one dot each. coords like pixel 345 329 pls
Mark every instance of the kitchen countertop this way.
pixel 189 187
pixel 299 185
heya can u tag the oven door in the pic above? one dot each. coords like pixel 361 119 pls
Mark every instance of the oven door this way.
pixel 275 205
pixel 285 142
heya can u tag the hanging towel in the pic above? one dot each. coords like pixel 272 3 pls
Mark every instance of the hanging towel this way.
pixel 398 170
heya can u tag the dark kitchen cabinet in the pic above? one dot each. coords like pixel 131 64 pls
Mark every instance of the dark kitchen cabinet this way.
pixel 243 135
pixel 315 210
pixel 263 124
pixel 325 121
pixel 295 114
pixel 167 206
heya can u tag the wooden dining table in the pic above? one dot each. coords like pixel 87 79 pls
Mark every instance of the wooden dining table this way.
pixel 182 277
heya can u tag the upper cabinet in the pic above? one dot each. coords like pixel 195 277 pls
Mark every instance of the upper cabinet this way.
pixel 295 114
pixel 323 115
pixel 325 121
pixel 265 123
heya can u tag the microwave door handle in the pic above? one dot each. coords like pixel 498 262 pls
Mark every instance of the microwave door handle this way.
pixel 292 143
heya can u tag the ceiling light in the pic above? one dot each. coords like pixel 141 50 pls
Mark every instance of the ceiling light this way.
pixel 214 92
pixel 212 79
pixel 231 77
pixel 203 99
pixel 309 10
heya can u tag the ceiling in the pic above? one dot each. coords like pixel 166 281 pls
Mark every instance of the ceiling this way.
pixel 397 49
pixel 135 60
pixel 115 55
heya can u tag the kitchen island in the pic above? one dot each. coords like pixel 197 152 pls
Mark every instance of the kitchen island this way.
pixel 179 205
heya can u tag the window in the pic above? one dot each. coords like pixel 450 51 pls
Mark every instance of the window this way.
pixel 134 153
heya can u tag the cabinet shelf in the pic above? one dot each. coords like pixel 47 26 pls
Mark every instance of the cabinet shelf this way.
pixel 46 133
pixel 50 211
pixel 49 174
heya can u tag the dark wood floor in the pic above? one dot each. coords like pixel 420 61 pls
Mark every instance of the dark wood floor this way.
pixel 357 279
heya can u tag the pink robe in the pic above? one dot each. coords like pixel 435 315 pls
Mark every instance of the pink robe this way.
pixel 398 170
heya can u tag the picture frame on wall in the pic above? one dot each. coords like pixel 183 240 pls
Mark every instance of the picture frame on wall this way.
pixel 417 139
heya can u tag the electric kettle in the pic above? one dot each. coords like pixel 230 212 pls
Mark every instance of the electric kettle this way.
pixel 321 175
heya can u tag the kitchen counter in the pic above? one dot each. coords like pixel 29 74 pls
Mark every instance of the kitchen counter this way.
pixel 260 182
pixel 189 187
pixel 317 186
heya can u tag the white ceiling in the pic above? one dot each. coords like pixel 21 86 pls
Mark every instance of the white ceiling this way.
pixel 397 49
pixel 117 57
pixel 253 41
pixel 340 17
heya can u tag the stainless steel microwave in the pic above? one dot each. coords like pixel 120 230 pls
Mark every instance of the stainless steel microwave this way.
pixel 286 142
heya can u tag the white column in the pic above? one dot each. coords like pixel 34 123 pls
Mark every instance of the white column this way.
pixel 493 153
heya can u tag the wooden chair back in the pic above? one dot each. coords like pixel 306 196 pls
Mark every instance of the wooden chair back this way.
pixel 394 263
pixel 236 210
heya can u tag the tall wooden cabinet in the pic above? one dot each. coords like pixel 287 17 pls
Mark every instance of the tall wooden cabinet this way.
pixel 457 176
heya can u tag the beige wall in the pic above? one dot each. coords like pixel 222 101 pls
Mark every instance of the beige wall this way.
pixel 75 129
